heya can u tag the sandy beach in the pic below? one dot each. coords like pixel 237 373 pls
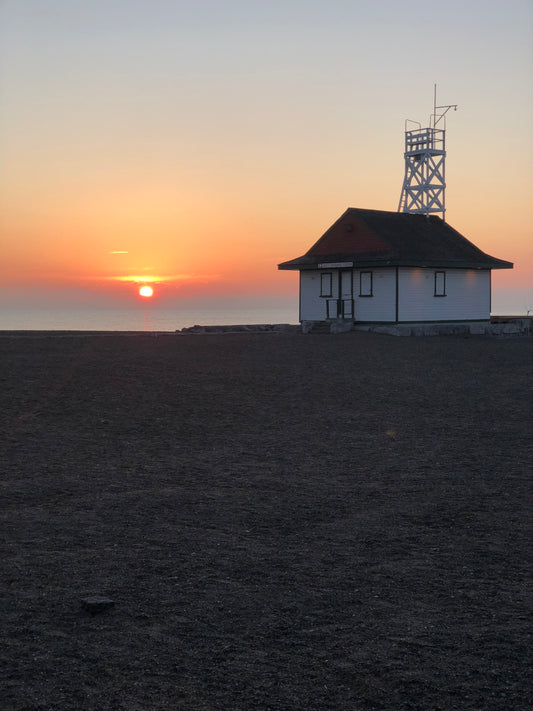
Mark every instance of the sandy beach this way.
pixel 284 522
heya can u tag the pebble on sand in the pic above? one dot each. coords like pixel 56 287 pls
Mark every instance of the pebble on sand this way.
pixel 96 603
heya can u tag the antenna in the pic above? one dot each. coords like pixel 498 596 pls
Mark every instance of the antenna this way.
pixel 435 118
pixel 424 185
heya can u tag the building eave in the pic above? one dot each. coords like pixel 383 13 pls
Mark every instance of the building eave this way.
pixel 300 264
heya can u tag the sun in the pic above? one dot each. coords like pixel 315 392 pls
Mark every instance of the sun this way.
pixel 146 291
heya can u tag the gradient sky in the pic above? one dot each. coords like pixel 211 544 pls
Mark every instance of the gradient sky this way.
pixel 199 144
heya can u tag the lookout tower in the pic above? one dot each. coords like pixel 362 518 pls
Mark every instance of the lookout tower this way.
pixel 425 152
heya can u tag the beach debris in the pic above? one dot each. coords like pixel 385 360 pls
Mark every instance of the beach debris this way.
pixel 96 604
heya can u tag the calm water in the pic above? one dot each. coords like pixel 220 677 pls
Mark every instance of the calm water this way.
pixel 140 319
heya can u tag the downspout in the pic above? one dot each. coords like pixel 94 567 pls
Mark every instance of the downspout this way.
pixel 300 296
pixel 490 292
pixel 397 294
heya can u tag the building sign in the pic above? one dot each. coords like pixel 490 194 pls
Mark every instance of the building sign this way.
pixel 335 265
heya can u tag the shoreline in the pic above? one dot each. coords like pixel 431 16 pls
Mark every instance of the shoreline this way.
pixel 497 326
pixel 190 330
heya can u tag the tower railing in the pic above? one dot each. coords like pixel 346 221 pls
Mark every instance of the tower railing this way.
pixel 423 139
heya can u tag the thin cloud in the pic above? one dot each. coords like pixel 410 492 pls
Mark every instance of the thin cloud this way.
pixel 158 279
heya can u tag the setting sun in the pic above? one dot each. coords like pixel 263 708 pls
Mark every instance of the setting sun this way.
pixel 146 291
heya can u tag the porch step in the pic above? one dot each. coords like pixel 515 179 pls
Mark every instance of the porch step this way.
pixel 327 327
pixel 320 327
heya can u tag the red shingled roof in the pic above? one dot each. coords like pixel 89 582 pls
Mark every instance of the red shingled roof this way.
pixel 380 238
pixel 348 235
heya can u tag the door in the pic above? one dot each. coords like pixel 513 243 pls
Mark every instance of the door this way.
pixel 346 294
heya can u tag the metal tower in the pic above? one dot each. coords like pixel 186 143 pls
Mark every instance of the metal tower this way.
pixel 425 151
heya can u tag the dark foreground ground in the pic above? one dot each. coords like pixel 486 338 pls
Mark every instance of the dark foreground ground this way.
pixel 284 522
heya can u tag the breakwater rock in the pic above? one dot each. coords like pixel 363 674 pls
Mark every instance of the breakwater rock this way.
pixel 242 328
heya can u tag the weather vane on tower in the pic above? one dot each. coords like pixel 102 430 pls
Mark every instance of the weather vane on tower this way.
pixel 425 152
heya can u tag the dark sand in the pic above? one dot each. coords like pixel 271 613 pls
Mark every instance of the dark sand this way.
pixel 284 522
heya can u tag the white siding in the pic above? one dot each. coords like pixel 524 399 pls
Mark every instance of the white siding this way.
pixel 313 307
pixel 381 306
pixel 467 295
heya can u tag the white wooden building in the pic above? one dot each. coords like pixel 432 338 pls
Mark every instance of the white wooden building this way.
pixel 373 266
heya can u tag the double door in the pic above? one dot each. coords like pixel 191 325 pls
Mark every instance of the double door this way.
pixel 342 307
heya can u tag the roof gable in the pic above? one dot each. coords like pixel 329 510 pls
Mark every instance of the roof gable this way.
pixel 380 238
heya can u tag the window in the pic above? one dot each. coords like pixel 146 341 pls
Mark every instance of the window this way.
pixel 325 284
pixel 440 284
pixel 365 284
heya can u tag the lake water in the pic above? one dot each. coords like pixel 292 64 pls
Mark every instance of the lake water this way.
pixel 140 319
pixel 149 317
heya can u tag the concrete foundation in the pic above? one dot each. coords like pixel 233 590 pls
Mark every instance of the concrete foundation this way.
pixel 511 327
pixel 520 327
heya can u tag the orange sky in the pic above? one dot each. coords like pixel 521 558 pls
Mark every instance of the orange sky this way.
pixel 201 147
